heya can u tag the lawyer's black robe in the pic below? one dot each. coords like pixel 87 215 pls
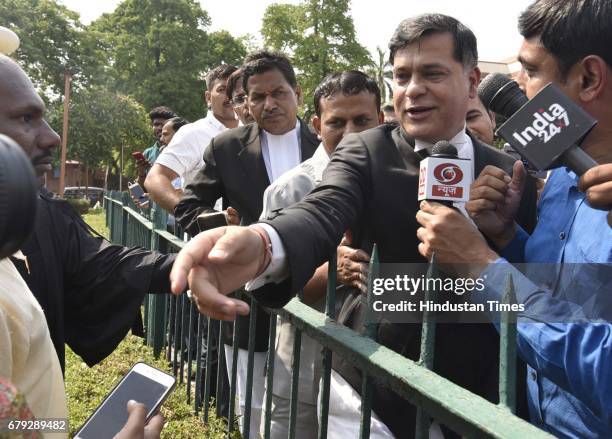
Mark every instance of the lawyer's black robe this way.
pixel 89 289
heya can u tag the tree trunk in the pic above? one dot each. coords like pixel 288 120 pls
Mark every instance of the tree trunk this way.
pixel 86 181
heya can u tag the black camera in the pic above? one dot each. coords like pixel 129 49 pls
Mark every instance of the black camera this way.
pixel 18 189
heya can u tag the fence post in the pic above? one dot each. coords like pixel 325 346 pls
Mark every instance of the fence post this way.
pixel 507 350
pixel 428 340
pixel 125 200
pixel 370 331
pixel 111 220
pixel 156 325
pixel 330 312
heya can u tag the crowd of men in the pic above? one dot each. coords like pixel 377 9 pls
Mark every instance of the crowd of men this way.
pixel 294 192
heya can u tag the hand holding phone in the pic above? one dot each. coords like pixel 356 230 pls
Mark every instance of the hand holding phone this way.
pixel 138 195
pixel 143 383
pixel 207 221
pixel 141 162
pixel 135 426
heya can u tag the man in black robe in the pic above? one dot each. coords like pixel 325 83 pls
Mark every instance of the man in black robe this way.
pixel 89 289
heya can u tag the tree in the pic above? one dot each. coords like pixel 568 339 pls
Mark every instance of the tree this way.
pixel 101 122
pixel 283 26
pixel 380 70
pixel 52 41
pixel 159 52
pixel 222 47
pixel 320 37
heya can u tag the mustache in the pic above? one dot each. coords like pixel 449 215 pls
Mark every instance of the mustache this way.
pixel 43 158
pixel 274 112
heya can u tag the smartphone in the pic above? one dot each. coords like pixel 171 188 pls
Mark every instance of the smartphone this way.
pixel 138 193
pixel 143 383
pixel 139 156
pixel 207 221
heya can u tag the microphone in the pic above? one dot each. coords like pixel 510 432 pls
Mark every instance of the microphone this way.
pixel 444 177
pixel 18 189
pixel 501 94
pixel 545 130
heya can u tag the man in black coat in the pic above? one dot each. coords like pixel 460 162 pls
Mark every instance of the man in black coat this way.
pixel 89 289
pixel 239 164
pixel 370 187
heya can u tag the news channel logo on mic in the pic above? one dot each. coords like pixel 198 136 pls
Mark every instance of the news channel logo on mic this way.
pixel 444 179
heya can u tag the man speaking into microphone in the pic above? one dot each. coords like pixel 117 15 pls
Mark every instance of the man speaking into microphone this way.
pixel 566 42
pixel 370 186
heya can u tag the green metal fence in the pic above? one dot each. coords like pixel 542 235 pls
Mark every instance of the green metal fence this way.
pixel 435 397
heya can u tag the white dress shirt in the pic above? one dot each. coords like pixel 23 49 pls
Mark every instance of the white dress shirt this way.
pixel 281 152
pixel 184 155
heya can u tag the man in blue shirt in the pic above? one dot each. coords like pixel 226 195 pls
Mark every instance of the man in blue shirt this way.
pixel 159 116
pixel 569 355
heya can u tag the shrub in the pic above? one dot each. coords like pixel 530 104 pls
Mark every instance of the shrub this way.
pixel 80 204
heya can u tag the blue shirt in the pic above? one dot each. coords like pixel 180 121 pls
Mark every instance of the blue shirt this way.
pixel 569 358
pixel 152 152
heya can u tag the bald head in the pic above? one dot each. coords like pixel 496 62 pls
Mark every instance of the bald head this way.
pixel 22 116
pixel 8 66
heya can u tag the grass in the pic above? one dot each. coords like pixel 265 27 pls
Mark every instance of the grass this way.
pixel 96 219
pixel 86 387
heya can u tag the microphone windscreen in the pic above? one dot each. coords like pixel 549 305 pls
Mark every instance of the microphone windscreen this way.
pixel 18 192
pixel 489 86
pixel 444 147
pixel 502 95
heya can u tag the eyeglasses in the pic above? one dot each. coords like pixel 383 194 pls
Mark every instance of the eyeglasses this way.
pixel 239 101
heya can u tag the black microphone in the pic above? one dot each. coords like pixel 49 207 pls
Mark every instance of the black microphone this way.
pixel 501 94
pixel 444 177
pixel 18 189
pixel 544 130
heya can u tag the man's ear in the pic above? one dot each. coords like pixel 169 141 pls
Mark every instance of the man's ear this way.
pixel 492 117
pixel 474 78
pixel 299 95
pixel 207 97
pixel 316 124
pixel 381 117
pixel 594 76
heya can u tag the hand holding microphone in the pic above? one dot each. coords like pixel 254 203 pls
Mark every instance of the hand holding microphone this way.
pixel 597 184
pixel 444 230
pixel 545 130
pixel 495 198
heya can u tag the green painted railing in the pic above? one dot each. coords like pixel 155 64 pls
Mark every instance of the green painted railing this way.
pixel 167 318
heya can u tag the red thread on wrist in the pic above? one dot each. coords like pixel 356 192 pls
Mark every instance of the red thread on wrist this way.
pixel 267 250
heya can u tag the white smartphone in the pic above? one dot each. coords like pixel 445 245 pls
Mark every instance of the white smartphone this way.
pixel 144 384
pixel 138 193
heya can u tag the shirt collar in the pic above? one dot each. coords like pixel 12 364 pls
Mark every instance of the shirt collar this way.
pixel 211 119
pixel 321 153
pixel 294 133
